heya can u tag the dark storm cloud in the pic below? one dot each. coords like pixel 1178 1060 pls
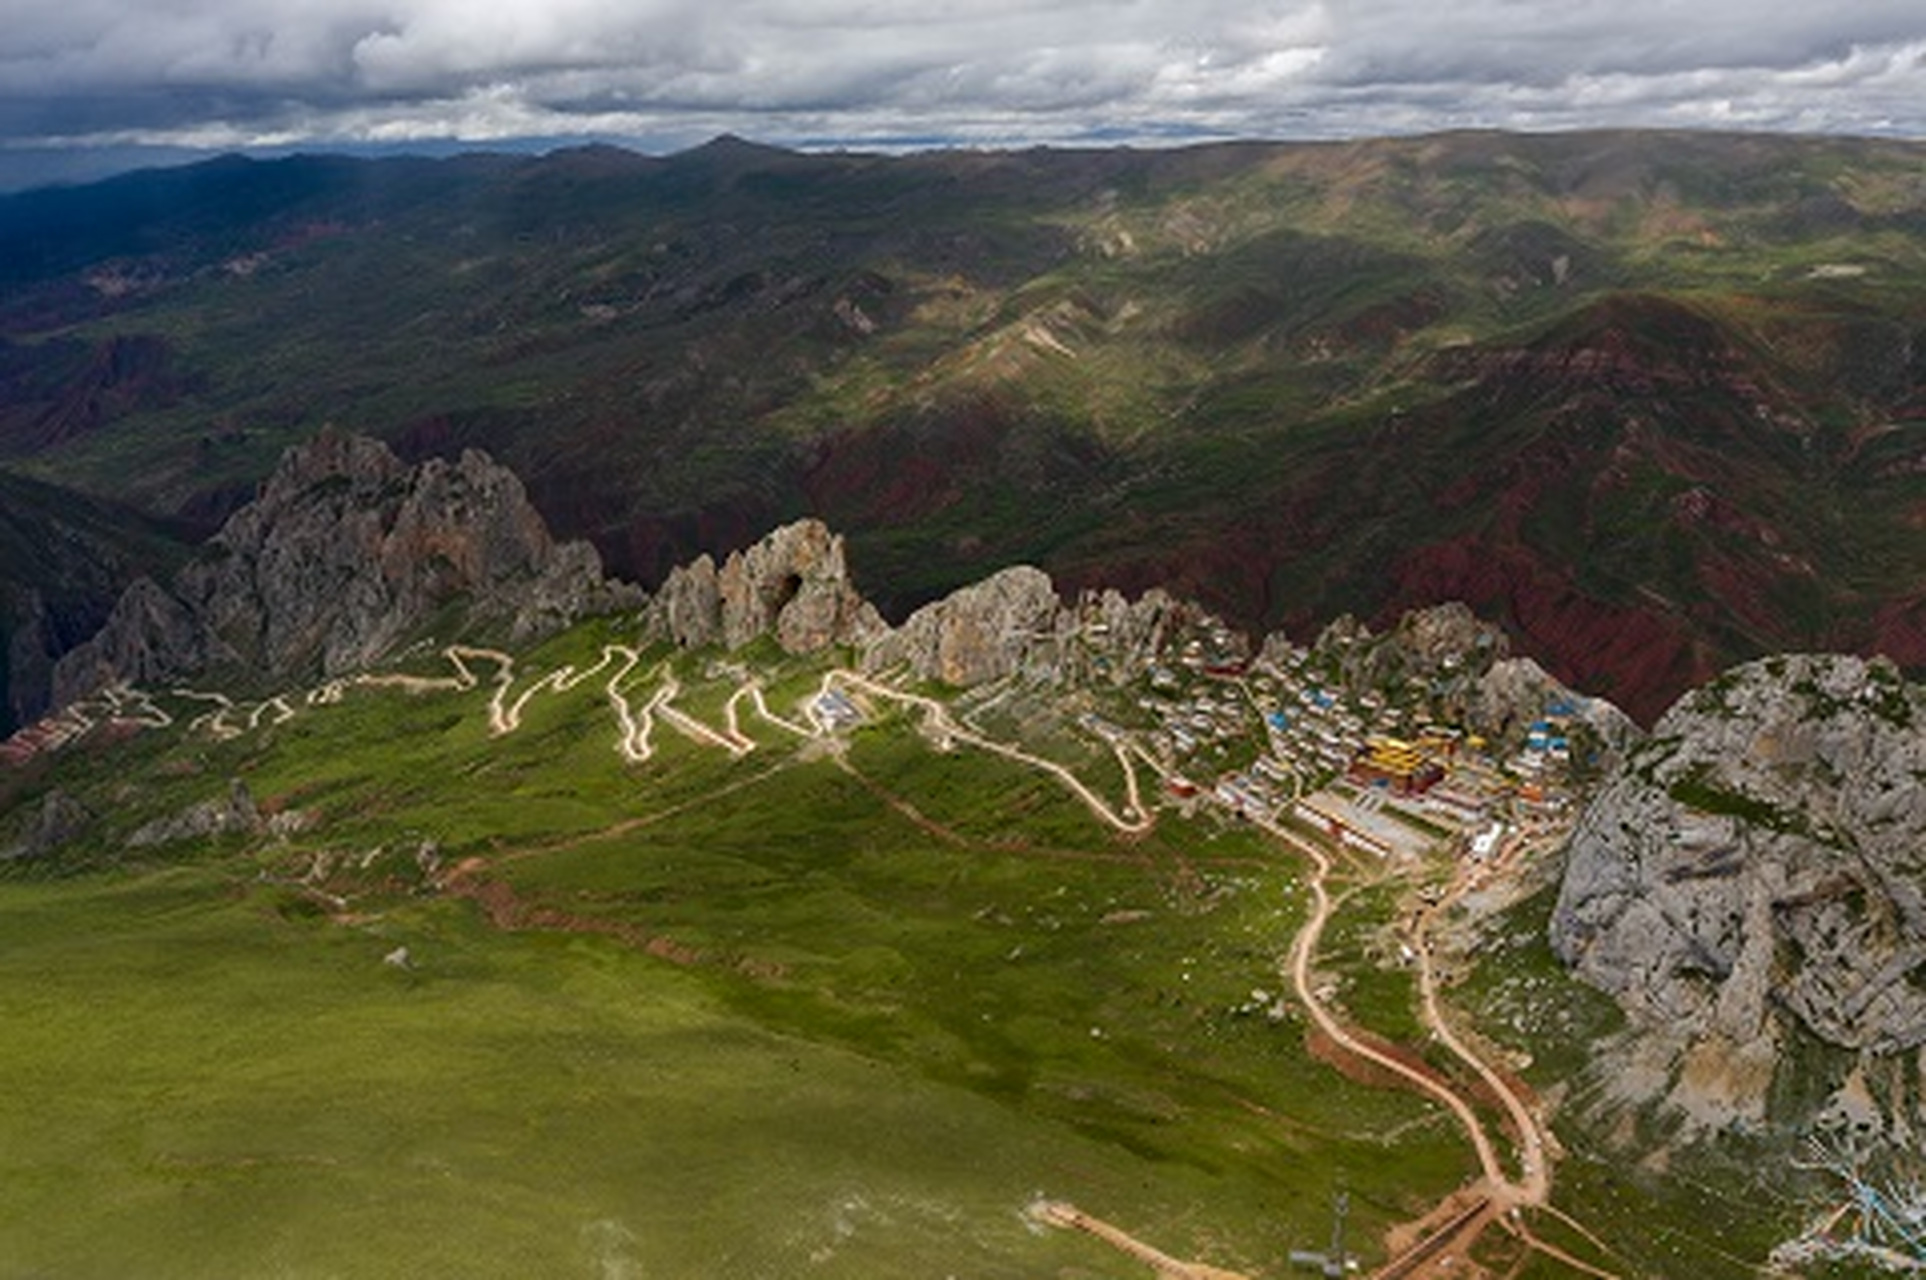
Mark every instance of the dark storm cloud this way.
pixel 285 72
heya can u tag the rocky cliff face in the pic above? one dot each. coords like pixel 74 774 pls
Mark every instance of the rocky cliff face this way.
pixel 345 553
pixel 1755 871
pixel 1000 626
pixel 1514 691
pixel 1014 623
pixel 794 584
pixel 64 561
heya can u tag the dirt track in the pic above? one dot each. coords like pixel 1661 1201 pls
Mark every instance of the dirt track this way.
pixel 1497 1197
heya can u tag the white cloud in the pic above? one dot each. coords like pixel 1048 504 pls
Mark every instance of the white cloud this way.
pixel 181 71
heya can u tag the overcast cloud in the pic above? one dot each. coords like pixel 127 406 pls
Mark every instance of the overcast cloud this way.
pixel 276 73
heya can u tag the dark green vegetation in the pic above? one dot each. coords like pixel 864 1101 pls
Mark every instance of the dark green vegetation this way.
pixel 1654 400
pixel 64 559
pixel 698 1017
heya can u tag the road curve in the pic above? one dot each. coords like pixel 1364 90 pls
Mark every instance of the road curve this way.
pixel 1299 962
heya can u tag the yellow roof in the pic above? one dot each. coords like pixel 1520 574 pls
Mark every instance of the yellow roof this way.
pixel 1394 755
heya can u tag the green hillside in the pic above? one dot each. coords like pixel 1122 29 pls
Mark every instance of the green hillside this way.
pixel 705 1039
pixel 508 1003
pixel 1654 400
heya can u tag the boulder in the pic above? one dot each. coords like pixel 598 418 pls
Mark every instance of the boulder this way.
pixel 59 820
pixel 230 814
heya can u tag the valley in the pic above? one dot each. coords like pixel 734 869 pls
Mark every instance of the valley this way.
pixel 1363 715
pixel 1650 401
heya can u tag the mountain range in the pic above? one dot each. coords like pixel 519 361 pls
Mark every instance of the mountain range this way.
pixel 1653 402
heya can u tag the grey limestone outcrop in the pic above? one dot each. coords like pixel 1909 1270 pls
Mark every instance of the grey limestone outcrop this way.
pixel 234 813
pixel 58 820
pixel 1514 690
pixel 794 584
pixel 345 553
pixel 1465 665
pixel 1761 858
pixel 1014 623
pixel 1003 625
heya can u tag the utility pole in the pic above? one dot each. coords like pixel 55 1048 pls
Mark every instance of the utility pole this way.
pixel 1333 1263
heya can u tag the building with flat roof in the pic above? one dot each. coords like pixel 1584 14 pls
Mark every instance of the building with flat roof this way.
pixel 1359 827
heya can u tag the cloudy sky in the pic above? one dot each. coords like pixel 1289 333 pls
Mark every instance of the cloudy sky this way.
pixel 101 78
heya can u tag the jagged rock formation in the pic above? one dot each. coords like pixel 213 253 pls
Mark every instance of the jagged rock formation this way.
pixel 1464 663
pixel 1013 623
pixel 1757 869
pixel 793 584
pixel 345 553
pixel 1514 691
pixel 150 635
pixel 1003 625
pixel 1119 636
pixel 1446 646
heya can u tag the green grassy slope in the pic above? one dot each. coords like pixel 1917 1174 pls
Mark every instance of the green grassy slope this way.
pixel 697 1016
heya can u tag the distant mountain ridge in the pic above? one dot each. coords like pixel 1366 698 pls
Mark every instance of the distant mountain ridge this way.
pixel 1654 401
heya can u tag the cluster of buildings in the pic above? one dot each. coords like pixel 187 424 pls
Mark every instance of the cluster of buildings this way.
pixel 1213 716
pixel 1284 738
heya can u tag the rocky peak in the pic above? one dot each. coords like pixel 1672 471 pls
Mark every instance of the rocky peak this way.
pixel 1757 869
pixel 1013 623
pixel 1446 641
pixel 1463 663
pixel 793 584
pixel 345 553
pixel 1003 625
pixel 1516 691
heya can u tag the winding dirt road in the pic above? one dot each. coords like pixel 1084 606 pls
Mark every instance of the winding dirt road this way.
pixel 1304 947
pixel 1057 1213
pixel 1133 820
pixel 1497 1197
